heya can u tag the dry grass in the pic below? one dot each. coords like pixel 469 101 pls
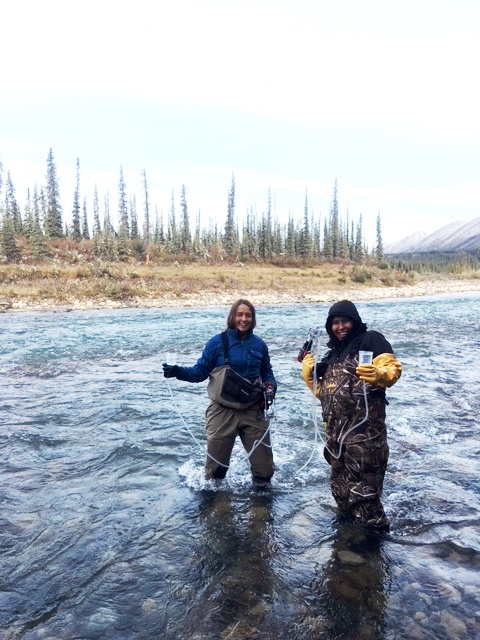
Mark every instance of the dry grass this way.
pixel 97 283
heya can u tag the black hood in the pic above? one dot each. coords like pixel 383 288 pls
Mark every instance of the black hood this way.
pixel 345 309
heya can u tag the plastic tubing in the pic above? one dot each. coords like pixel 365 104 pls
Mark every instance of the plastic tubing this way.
pixel 344 435
pixel 318 434
pixel 256 444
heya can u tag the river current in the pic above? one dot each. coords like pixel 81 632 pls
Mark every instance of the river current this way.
pixel 108 528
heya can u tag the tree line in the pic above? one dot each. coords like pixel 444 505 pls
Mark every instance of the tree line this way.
pixel 451 262
pixel 125 234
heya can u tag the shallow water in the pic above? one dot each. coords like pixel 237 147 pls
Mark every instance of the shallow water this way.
pixel 109 530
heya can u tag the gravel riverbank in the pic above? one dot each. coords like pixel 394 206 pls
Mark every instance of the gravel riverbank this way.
pixel 225 295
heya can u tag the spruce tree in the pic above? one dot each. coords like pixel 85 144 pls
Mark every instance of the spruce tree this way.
pixel 230 239
pixel 173 236
pixel 327 242
pixel 261 237
pixel 107 222
pixel 159 229
pixel 53 214
pixel 133 218
pixel 290 237
pixel 197 236
pixel 28 216
pixel 249 234
pixel 124 227
pixel 317 238
pixel 185 235
pixel 146 214
pixel 96 214
pixel 352 241
pixel 305 238
pixel 12 208
pixel 342 241
pixel 335 224
pixel 359 253
pixel 268 240
pixel 277 239
pixel 105 247
pixel 10 249
pixel 36 238
pixel 76 229
pixel 85 231
pixel 379 244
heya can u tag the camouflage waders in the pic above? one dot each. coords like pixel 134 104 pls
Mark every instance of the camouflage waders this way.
pixel 358 461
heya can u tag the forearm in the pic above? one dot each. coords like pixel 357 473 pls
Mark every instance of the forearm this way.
pixel 309 376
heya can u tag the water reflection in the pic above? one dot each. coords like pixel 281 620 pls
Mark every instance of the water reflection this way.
pixel 350 594
pixel 233 571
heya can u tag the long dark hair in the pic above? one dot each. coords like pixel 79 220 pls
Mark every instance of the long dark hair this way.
pixel 231 323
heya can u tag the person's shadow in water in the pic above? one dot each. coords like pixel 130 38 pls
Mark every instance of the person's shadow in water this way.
pixel 351 590
pixel 234 564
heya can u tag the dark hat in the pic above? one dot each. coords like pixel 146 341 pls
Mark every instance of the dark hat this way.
pixel 343 309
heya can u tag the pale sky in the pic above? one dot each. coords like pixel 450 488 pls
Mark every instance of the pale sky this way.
pixel 380 95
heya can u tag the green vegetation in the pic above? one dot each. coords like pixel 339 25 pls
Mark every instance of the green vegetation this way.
pixel 454 263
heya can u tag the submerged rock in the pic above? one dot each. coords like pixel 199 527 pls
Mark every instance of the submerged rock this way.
pixel 455 627
pixel 349 557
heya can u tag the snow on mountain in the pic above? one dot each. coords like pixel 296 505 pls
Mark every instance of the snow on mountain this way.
pixel 403 246
pixel 456 236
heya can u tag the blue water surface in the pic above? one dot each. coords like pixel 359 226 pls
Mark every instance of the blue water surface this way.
pixel 108 528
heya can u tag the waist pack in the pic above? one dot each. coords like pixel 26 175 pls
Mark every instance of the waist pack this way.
pixel 232 390
pixel 229 388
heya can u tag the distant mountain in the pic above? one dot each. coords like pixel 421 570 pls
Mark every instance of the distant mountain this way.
pixel 403 246
pixel 456 236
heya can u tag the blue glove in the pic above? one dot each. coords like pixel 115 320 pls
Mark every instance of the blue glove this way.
pixel 170 370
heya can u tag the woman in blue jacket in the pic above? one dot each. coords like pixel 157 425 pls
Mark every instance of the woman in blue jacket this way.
pixel 248 356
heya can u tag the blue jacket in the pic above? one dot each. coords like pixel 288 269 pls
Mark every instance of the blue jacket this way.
pixel 248 357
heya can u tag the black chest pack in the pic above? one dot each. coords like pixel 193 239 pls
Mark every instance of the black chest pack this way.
pixel 229 388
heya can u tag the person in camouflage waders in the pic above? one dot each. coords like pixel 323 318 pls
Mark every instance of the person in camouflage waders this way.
pixel 353 407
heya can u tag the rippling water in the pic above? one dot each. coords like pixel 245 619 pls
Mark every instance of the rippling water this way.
pixel 108 529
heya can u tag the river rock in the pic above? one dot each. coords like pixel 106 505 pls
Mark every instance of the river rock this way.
pixel 449 592
pixel 455 628
pixel 5 303
pixel 349 557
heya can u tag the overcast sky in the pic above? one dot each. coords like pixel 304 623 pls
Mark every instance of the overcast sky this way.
pixel 382 96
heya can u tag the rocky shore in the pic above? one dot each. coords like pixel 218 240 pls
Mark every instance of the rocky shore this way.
pixel 225 295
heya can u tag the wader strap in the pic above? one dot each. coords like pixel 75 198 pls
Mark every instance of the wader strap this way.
pixel 225 348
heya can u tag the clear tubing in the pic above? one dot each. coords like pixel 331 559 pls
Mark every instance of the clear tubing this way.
pixel 344 435
pixel 256 444
pixel 318 434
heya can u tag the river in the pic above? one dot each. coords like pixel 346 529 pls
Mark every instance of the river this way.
pixel 109 529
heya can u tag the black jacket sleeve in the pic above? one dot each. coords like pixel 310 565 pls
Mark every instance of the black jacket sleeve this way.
pixel 376 342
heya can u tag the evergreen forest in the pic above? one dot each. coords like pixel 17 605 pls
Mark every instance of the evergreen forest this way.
pixel 123 230
pixel 44 228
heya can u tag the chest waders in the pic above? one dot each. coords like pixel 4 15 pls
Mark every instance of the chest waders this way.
pixel 356 442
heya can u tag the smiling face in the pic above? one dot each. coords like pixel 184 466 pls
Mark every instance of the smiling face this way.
pixel 341 327
pixel 243 318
